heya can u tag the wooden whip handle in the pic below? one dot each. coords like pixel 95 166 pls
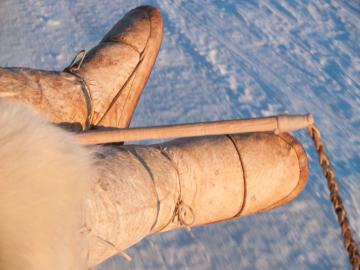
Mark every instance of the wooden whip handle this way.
pixel 277 124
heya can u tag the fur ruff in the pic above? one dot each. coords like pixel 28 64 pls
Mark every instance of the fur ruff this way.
pixel 45 176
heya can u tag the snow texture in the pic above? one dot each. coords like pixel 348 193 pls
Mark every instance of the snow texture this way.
pixel 225 60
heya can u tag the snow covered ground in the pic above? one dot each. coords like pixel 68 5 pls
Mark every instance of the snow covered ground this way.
pixel 224 60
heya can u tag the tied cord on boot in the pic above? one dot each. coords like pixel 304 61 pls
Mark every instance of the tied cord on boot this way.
pixel 71 69
pixel 182 210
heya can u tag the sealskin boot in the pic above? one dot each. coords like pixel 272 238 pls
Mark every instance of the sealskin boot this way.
pixel 103 87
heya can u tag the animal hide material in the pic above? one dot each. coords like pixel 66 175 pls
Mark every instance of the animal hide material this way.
pixel 44 178
pixel 64 206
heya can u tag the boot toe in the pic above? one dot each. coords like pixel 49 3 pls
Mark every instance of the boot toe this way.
pixel 276 171
pixel 136 27
pixel 117 69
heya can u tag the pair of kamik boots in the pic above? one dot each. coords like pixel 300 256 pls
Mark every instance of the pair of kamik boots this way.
pixel 69 207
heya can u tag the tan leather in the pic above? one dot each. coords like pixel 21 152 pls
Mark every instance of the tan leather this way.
pixel 117 69
pixel 58 96
pixel 143 190
pixel 106 87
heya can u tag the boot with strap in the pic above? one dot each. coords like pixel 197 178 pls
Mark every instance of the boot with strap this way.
pixel 101 87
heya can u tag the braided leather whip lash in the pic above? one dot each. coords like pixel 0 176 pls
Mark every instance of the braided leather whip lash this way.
pixel 339 208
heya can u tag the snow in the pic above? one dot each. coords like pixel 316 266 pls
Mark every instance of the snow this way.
pixel 225 60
